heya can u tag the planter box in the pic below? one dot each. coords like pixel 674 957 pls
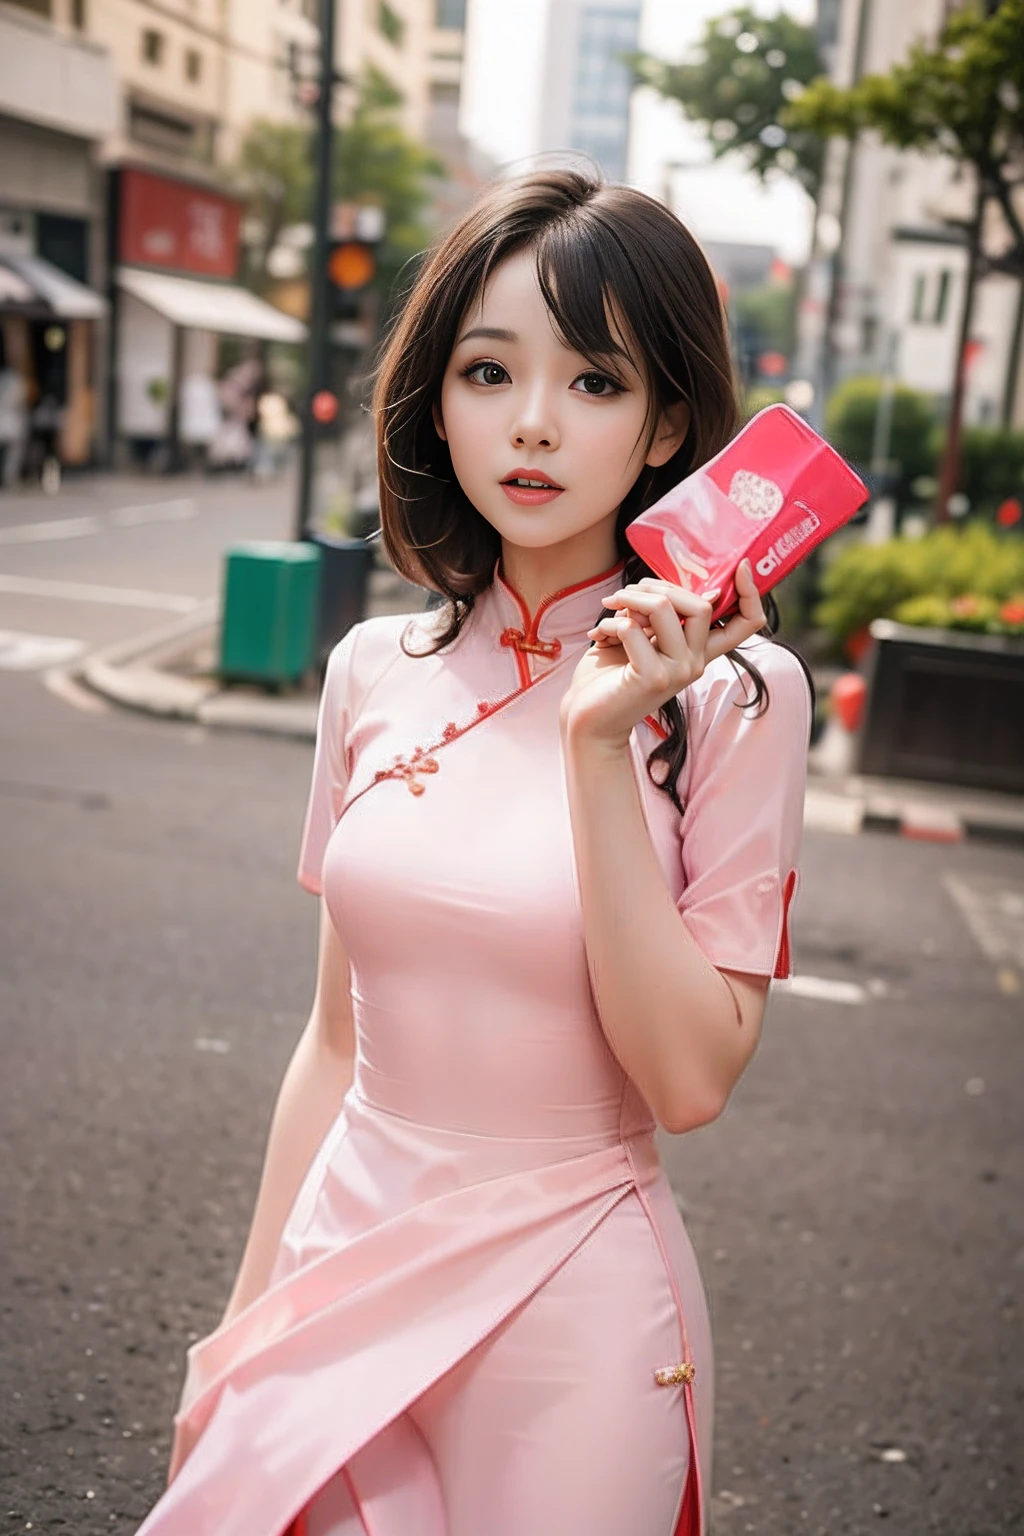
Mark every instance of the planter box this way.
pixel 946 706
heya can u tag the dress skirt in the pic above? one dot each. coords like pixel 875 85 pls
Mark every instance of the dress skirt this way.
pixel 461 1336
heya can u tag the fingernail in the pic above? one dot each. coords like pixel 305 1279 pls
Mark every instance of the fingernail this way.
pixel 710 596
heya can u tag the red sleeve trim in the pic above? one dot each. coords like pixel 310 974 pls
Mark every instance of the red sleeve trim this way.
pixel 783 962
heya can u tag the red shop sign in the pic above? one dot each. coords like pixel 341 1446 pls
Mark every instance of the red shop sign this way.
pixel 167 223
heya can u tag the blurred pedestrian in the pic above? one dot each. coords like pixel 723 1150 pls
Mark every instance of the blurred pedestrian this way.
pixel 13 423
pixel 276 427
pixel 233 443
pixel 47 419
pixel 555 852
pixel 199 416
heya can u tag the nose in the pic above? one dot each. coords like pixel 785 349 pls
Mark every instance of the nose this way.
pixel 533 423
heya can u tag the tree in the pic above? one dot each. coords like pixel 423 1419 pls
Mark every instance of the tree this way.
pixel 374 162
pixel 962 96
pixel 745 71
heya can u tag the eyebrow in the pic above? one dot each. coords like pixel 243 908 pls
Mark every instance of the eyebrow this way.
pixel 490 332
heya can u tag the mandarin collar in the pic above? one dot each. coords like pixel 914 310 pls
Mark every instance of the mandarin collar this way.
pixel 565 615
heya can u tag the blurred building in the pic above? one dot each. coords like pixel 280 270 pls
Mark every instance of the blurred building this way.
pixel 118 122
pixel 57 106
pixel 559 64
pixel 415 49
pixel 891 235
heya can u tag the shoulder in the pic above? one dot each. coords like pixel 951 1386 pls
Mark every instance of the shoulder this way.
pixel 360 659
pixel 726 687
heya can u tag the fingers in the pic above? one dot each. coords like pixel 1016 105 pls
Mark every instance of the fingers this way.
pixel 748 621
pixel 662 606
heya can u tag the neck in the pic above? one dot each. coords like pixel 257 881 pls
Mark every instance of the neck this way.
pixel 536 573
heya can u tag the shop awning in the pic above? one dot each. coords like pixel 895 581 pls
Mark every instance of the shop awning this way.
pixel 220 307
pixel 34 287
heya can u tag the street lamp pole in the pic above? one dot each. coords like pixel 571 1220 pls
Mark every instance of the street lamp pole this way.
pixel 319 354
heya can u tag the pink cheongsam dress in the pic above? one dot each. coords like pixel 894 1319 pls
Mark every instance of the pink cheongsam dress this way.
pixel 485 1317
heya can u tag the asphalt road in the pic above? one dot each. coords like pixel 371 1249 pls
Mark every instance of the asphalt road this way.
pixel 858 1211
pixel 110 558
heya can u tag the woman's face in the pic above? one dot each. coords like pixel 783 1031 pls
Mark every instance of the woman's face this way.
pixel 517 402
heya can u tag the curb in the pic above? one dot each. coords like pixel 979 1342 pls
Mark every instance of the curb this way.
pixel 851 814
pixel 129 675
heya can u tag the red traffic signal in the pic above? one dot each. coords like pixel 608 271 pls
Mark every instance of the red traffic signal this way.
pixel 351 265
pixel 324 406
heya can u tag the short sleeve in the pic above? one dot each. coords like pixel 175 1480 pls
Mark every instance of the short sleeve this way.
pixel 743 815
pixel 330 768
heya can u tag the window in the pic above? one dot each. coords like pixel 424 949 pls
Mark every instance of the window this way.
pixel 917 303
pixel 390 23
pixel 450 14
pixel 942 296
pixel 78 15
pixel 153 46
pixel 193 64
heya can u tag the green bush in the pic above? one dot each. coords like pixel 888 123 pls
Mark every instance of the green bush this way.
pixel 991 466
pixel 760 396
pixel 850 426
pixel 866 582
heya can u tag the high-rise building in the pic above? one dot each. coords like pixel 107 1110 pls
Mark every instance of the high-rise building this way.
pixel 585 100
pixel 554 69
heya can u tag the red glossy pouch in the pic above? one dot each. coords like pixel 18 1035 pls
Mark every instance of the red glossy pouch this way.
pixel 772 495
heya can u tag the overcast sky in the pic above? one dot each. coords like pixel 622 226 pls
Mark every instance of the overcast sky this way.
pixel 502 78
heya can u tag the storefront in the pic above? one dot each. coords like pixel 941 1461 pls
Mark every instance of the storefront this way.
pixel 177 250
pixel 47 331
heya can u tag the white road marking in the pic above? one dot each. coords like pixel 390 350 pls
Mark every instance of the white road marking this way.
pixel 822 989
pixel 55 528
pixel 155 512
pixel 174 511
pixel 89 592
pixel 213 1045
pixel 992 906
pixel 26 653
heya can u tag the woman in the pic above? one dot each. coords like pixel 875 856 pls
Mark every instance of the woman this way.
pixel 555 852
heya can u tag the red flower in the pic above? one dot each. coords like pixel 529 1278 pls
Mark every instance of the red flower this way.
pixel 1012 612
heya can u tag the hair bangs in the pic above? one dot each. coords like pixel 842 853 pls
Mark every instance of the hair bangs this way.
pixel 574 281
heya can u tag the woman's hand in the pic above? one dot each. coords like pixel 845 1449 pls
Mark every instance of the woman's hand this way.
pixel 644 656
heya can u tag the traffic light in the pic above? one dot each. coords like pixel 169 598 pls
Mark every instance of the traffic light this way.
pixel 352 257
pixel 351 267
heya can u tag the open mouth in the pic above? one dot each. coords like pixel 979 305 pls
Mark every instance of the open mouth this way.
pixel 532 485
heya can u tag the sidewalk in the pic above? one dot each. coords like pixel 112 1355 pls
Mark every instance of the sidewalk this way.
pixel 169 672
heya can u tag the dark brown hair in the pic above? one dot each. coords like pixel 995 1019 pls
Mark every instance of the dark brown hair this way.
pixel 596 244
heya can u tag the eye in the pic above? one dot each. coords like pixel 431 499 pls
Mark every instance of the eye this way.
pixel 489 370
pixel 599 380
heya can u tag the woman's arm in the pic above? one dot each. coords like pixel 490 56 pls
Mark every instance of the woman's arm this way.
pixel 680 1028
pixel 310 1097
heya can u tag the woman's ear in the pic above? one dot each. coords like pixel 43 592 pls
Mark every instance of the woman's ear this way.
pixel 671 434
pixel 435 410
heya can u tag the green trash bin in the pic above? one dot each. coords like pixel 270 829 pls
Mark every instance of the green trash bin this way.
pixel 271 596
